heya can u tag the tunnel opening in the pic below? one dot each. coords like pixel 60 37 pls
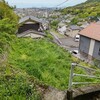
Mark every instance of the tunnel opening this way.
pixel 89 96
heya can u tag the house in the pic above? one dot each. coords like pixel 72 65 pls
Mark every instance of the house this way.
pixel 45 24
pixel 73 30
pixel 62 28
pixel 30 26
pixel 74 27
pixel 84 25
pixel 90 42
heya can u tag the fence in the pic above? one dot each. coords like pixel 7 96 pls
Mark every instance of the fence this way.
pixel 72 75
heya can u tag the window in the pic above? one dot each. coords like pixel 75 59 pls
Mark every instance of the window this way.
pixel 99 52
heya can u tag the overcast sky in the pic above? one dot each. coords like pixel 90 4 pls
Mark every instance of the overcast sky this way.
pixel 43 3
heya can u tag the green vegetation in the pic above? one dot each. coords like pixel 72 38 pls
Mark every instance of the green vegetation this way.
pixel 25 64
pixel 97 63
pixel 42 59
pixel 6 12
pixel 15 84
pixel 87 10
pixel 54 24
pixel 8 25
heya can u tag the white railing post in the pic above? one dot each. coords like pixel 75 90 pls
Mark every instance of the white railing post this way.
pixel 71 75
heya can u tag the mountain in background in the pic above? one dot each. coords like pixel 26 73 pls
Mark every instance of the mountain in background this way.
pixel 93 1
pixel 84 11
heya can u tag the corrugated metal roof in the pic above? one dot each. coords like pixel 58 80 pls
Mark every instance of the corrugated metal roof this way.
pixel 92 31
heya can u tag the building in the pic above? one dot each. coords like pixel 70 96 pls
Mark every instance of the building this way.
pixel 30 26
pixel 90 42
pixel 62 28
pixel 73 30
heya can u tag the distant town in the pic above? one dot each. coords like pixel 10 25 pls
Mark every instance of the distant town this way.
pixel 64 32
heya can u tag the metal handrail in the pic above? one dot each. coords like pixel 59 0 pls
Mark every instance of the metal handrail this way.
pixel 76 83
pixel 72 75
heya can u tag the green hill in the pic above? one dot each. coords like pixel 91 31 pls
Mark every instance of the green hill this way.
pixel 27 64
pixel 15 84
pixel 84 11
pixel 93 0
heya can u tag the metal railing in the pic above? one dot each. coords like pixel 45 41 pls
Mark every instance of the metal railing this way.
pixel 72 75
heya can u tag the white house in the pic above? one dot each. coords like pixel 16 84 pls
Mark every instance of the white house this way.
pixel 62 28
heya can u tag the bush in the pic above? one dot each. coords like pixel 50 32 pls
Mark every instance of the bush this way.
pixel 54 24
pixel 97 63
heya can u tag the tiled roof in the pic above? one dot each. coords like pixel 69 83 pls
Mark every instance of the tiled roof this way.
pixel 29 17
pixel 74 27
pixel 92 31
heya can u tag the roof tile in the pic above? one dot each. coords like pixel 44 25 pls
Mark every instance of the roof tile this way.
pixel 92 31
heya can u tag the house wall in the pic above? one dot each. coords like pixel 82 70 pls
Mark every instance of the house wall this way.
pixel 62 30
pixel 96 52
pixel 89 48
pixel 84 44
pixel 26 27
pixel 32 35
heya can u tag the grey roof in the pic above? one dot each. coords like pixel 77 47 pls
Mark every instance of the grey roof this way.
pixel 30 31
pixel 75 27
pixel 30 17
pixel 61 24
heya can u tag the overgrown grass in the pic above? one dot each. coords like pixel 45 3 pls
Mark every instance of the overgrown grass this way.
pixel 44 60
pixel 15 85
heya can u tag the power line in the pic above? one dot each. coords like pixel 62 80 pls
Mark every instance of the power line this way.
pixel 62 3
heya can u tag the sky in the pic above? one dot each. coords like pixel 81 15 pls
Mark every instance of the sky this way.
pixel 43 3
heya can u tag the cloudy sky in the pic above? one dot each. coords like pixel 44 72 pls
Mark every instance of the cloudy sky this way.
pixel 43 3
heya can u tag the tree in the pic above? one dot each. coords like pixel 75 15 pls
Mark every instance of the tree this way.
pixel 74 21
pixel 54 24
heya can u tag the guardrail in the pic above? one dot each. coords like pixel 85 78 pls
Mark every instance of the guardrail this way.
pixel 72 75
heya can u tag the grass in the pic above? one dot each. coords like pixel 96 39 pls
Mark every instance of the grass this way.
pixel 44 60
pixel 57 34
pixel 15 84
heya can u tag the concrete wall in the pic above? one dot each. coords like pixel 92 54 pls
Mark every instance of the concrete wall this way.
pixel 84 44
pixel 96 50
pixel 89 47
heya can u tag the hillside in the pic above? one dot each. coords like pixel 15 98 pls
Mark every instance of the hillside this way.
pixel 26 65
pixel 84 11
pixel 15 83
pixel 8 25
pixel 93 0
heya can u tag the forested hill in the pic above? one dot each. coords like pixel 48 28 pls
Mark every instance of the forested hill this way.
pixel 6 11
pixel 90 8
pixel 93 0
pixel 8 25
